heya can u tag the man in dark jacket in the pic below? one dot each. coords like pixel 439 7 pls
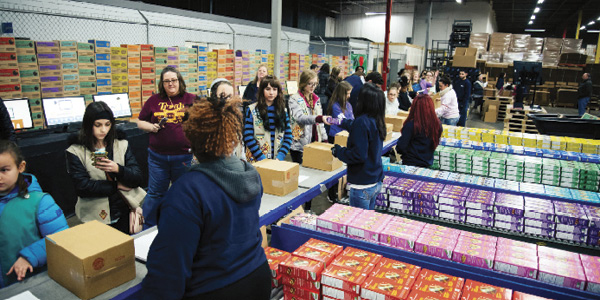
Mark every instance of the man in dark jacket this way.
pixel 462 87
pixel 584 93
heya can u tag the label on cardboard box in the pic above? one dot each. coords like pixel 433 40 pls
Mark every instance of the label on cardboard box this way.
pixel 104 82
pixel 25 59
pixel 9 73
pixel 102 70
pixel 83 59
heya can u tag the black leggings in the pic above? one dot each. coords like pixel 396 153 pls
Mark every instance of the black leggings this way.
pixel 255 286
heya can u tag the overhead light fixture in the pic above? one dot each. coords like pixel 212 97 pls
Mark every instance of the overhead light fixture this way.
pixel 536 10
pixel 582 28
pixel 533 17
pixel 459 1
pixel 598 19
pixel 593 31
pixel 530 22
pixel 540 1
pixel 374 13
pixel 591 23
pixel 535 30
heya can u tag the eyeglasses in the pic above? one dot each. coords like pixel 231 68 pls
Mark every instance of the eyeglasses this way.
pixel 169 81
pixel 313 84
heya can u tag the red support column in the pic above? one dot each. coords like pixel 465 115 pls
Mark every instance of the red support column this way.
pixel 386 47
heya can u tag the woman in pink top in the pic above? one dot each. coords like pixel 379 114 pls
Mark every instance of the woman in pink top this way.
pixel 448 112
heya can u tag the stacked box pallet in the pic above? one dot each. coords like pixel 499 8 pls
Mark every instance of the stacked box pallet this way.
pixel 193 71
pixel 203 63
pixel 551 52
pixel 238 70
pixel 86 64
pixel 148 72
pixel 29 75
pixel 499 44
pixel 69 68
pixel 252 65
pixel 284 67
pixel 48 55
pixel 211 73
pixel 120 73
pixel 271 64
pixel 479 41
pixel 294 67
pixel 517 49
pixel 10 79
pixel 184 68
pixel 571 46
pixel 132 78
pixel 103 69
pixel 246 70
pixel 225 63
pixel 534 50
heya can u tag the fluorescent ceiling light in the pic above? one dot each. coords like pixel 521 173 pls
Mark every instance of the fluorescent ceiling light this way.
pixel 536 10
pixel 374 13
pixel 533 17
pixel 593 31
pixel 535 30
pixel 540 1
pixel 530 22
pixel 598 19
pixel 591 23
pixel 582 28
pixel 458 1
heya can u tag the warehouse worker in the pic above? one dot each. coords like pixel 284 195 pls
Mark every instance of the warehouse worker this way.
pixel 462 88
pixel 421 134
pixel 252 87
pixel 392 107
pixel 478 87
pixel 356 80
pixel 448 111
pixel 209 242
pixel 584 93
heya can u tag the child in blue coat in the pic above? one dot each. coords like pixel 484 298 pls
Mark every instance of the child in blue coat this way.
pixel 27 215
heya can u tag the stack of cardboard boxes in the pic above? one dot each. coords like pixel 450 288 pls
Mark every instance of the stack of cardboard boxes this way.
pixel 70 68
pixel 148 72
pixel 238 69
pixel 192 63
pixel 271 64
pixel 183 67
pixel 211 73
pixel 479 41
pixel 30 75
pixel 48 55
pixel 132 77
pixel 294 68
pixel 87 70
pixel 225 63
pixel 246 71
pixel 103 69
pixel 118 64
pixel 203 68
pixel 499 44
pixel 551 52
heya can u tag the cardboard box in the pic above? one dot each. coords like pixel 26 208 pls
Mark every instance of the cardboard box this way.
pixel 397 121
pixel 278 177
pixel 7 44
pixel 490 110
pixel 47 47
pixel 101 46
pixel 465 57
pixel 88 266
pixel 318 156
pixel 342 138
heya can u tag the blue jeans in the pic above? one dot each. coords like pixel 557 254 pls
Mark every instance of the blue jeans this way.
pixel 463 110
pixel 451 121
pixel 162 171
pixel 582 105
pixel 364 198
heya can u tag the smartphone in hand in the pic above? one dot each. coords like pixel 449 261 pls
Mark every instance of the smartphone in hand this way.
pixel 162 122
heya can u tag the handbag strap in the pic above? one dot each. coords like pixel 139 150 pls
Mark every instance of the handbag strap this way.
pixel 109 178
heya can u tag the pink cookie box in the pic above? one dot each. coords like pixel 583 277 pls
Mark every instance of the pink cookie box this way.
pixel 479 236
pixel 482 258
pixel 404 240
pixel 400 220
pixel 559 254
pixel 436 246
pixel 328 231
pixel 508 243
pixel 445 230
pixel 335 224
pixel 590 261
pixel 567 275
pixel 365 231
pixel 476 243
pixel 592 276
pixel 517 252
pixel 515 266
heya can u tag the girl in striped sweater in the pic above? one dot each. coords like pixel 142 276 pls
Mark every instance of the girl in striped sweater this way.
pixel 267 132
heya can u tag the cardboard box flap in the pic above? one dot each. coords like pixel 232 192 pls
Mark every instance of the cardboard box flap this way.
pixel 88 239
pixel 320 146
pixel 291 170
pixel 347 134
pixel 388 127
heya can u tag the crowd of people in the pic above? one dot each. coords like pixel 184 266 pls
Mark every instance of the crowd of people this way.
pixel 203 193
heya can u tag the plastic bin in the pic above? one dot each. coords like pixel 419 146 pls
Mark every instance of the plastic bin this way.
pixel 566 125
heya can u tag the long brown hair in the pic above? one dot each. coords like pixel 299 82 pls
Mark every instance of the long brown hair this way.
pixel 335 73
pixel 278 102
pixel 255 80
pixel 10 147
pixel 422 113
pixel 339 96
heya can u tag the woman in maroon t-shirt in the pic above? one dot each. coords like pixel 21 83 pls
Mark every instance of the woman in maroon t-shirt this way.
pixel 169 150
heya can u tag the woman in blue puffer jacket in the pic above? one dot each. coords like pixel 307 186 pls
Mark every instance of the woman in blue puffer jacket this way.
pixel 27 216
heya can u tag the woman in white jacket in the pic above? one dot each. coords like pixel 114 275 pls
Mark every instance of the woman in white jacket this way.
pixel 448 112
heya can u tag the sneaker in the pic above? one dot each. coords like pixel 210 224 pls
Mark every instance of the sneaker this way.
pixel 331 200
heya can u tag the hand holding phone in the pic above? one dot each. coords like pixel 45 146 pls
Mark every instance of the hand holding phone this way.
pixel 98 155
pixel 162 122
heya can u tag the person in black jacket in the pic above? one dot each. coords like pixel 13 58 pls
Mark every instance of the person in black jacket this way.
pixel 8 131
pixel 421 133
pixel 584 93
pixel 403 99
pixel 334 80
pixel 323 79
pixel 102 168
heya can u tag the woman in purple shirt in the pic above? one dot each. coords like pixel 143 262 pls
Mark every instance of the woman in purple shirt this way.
pixel 339 108
pixel 169 150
